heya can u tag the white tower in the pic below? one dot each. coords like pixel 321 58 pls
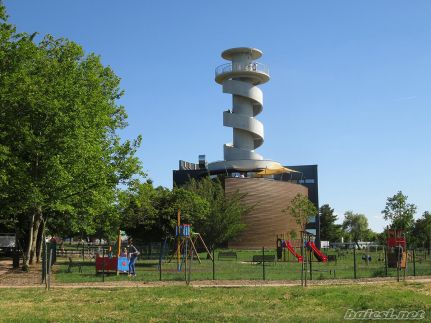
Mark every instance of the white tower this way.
pixel 240 78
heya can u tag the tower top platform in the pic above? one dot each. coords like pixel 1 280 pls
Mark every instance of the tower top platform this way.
pixel 229 54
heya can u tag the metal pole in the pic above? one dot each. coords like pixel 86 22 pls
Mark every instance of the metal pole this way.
pixel 414 263
pixel 398 265
pixel 213 264
pixel 185 260
pixel 354 262
pixel 160 260
pixel 311 267
pixel 302 262
pixel 49 268
pixel 263 262
pixel 190 267
pixel 103 264
pixel 386 261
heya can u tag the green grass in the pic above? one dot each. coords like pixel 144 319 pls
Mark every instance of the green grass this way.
pixel 244 304
pixel 243 269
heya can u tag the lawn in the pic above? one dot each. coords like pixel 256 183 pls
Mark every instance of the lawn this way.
pixel 182 303
pixel 243 269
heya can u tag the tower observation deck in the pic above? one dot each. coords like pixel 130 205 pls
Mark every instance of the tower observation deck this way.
pixel 240 79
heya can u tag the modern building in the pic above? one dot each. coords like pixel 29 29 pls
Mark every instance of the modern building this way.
pixel 268 185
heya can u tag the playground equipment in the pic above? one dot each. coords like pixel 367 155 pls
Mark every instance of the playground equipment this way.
pixel 186 242
pixel 286 244
pixel 317 253
pixel 110 264
pixel 397 248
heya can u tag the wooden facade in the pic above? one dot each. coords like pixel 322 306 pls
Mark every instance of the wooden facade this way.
pixel 266 220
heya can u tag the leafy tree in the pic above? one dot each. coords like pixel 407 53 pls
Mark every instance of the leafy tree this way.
pixel 224 219
pixel 328 229
pixel 150 214
pixel 356 225
pixel 421 233
pixel 60 155
pixel 399 212
pixel 300 208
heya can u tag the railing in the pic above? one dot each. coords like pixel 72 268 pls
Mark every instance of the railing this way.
pixel 237 67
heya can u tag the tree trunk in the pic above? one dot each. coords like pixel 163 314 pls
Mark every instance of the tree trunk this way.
pixel 36 226
pixel 39 240
pixel 26 260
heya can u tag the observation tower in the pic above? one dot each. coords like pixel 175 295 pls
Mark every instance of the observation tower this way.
pixel 241 78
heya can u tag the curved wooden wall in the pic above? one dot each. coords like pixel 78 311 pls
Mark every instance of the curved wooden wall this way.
pixel 266 220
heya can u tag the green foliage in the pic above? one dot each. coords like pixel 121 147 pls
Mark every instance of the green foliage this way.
pixel 421 234
pixel 300 208
pixel 356 225
pixel 150 214
pixel 224 220
pixel 399 212
pixel 328 229
pixel 61 158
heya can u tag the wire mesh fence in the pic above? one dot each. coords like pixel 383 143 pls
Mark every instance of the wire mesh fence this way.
pixel 163 263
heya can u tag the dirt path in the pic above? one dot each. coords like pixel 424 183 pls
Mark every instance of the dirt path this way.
pixel 31 279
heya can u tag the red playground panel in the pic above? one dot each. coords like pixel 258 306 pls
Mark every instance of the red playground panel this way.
pixel 396 238
pixel 109 265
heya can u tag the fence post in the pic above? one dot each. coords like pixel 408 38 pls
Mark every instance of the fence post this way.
pixel 213 263
pixel 302 262
pixel 103 264
pixel 414 263
pixel 49 267
pixel 263 262
pixel 160 260
pixel 185 261
pixel 386 261
pixel 311 268
pixel 43 260
pixel 354 262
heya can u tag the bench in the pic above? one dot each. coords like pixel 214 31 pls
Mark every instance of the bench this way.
pixel 227 254
pixel 74 264
pixel 260 258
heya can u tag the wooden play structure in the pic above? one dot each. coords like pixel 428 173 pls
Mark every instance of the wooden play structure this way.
pixel 186 243
pixel 397 248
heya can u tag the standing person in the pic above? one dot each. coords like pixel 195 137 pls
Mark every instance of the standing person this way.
pixel 133 254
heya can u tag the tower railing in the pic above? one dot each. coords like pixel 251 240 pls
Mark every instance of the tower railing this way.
pixel 238 67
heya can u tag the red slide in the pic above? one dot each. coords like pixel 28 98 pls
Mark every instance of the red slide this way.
pixel 289 246
pixel 319 255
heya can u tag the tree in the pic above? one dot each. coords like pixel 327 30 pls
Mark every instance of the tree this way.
pixel 150 214
pixel 356 225
pixel 399 212
pixel 301 208
pixel 328 229
pixel 60 154
pixel 421 233
pixel 224 219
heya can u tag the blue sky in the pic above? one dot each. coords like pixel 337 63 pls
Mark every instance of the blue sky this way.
pixel 349 89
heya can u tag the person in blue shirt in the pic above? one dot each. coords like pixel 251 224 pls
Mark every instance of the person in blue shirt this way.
pixel 133 254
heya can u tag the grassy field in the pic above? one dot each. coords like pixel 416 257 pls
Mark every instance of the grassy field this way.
pixel 243 269
pixel 244 304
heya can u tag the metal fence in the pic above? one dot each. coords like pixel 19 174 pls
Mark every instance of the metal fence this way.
pixel 159 261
